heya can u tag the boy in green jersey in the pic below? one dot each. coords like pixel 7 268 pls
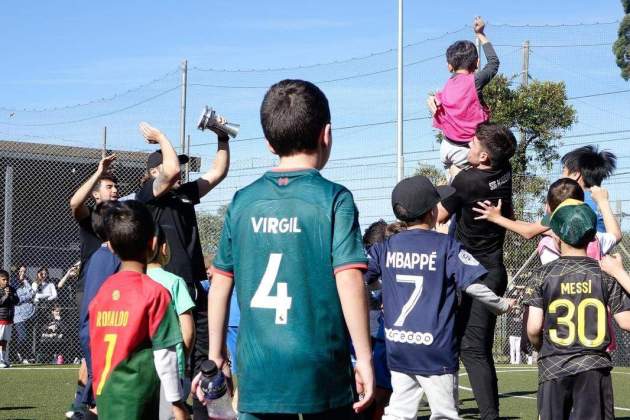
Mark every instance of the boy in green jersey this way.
pixel 291 247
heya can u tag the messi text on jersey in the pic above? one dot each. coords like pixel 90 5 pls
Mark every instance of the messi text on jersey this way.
pixel 576 288
pixel 275 225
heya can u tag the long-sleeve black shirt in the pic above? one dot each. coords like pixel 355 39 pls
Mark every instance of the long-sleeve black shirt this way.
pixel 483 76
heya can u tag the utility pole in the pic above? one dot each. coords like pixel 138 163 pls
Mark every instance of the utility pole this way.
pixel 399 138
pixel 104 149
pixel 182 107
pixel 188 154
pixel 525 75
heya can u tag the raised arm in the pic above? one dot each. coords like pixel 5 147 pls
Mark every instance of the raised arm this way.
pixel 483 76
pixel 600 197
pixel 220 166
pixel 493 214
pixel 613 265
pixel 170 172
pixel 78 199
pixel 496 304
pixel 353 298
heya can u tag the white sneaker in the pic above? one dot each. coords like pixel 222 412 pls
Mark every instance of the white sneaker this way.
pixel 3 365
pixel 25 362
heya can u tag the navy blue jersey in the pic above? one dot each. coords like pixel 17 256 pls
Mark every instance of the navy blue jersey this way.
pixel 421 271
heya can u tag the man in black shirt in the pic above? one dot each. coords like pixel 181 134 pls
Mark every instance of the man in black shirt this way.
pixel 102 187
pixel 488 179
pixel 173 207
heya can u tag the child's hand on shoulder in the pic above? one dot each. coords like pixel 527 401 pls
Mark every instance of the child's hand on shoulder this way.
pixel 599 194
pixel 487 211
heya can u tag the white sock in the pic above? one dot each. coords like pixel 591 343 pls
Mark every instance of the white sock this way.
pixel 2 356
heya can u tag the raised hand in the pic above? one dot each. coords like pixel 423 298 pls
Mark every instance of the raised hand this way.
pixel 478 25
pixel 599 194
pixel 105 163
pixel 612 264
pixel 150 133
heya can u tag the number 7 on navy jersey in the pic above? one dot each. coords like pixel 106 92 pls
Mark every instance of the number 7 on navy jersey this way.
pixel 413 299
pixel 263 299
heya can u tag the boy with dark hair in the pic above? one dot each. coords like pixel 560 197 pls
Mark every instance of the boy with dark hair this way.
pixel 133 327
pixel 567 322
pixel 101 264
pixel 560 190
pixel 8 300
pixel 589 167
pixel 421 271
pixel 459 107
pixel 489 178
pixel 291 246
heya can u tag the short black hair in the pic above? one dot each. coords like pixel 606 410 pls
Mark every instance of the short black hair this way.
pixel 130 228
pixel 105 177
pixel 462 55
pixel 293 114
pixel 563 189
pixel 161 240
pixel 375 233
pixel 99 226
pixel 594 166
pixel 4 273
pixel 402 214
pixel 498 141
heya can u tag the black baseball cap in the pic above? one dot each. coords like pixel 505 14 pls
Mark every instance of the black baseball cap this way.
pixel 155 159
pixel 417 195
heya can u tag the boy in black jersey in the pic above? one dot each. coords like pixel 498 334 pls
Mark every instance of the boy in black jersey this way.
pixel 568 322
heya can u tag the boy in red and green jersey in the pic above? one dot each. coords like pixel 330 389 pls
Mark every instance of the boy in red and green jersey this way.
pixel 133 327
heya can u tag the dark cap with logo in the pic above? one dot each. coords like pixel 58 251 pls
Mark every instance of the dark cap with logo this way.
pixel 155 159
pixel 574 222
pixel 417 195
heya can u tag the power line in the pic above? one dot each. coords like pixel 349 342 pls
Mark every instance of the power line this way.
pixel 321 82
pixel 551 25
pixel 93 117
pixel 348 127
pixel 327 63
pixel 93 101
pixel 614 92
pixel 600 44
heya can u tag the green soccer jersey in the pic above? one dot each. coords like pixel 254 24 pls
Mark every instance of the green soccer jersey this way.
pixel 285 236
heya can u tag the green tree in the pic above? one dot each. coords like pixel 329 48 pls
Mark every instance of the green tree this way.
pixel 436 176
pixel 621 47
pixel 210 227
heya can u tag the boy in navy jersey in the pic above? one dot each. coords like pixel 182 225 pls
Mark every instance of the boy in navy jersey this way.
pixel 421 271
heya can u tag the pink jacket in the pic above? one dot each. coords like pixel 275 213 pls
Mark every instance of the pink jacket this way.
pixel 460 110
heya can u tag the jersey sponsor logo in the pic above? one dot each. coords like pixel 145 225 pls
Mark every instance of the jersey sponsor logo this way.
pixel 466 258
pixel 112 318
pixel 501 181
pixel 410 260
pixel 408 337
pixel 275 225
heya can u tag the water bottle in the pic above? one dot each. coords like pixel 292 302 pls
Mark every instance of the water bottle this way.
pixel 214 387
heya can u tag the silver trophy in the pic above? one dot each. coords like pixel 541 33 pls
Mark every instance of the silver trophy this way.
pixel 208 120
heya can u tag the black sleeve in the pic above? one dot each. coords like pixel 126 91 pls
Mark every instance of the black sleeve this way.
pixel 483 76
pixel 145 194
pixel 86 222
pixel 455 201
pixel 190 190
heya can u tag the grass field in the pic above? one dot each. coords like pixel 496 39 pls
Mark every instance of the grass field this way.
pixel 44 392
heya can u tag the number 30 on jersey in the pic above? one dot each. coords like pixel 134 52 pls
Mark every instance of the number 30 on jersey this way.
pixel 281 302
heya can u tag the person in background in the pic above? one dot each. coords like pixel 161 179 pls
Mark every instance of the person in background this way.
pixel 54 337
pixel 8 300
pixel 23 320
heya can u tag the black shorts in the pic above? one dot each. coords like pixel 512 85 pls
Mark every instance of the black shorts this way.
pixel 586 395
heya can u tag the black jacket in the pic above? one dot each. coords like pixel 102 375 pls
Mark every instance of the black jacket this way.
pixel 7 304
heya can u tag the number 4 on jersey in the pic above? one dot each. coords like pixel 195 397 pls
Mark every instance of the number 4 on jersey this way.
pixel 281 302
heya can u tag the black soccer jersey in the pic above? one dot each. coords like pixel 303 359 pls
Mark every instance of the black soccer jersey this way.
pixel 574 295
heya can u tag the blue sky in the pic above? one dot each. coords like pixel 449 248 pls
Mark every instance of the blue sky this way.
pixel 67 52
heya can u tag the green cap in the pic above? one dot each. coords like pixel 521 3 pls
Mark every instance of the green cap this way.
pixel 574 222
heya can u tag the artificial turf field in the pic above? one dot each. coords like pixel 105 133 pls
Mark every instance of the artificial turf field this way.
pixel 44 392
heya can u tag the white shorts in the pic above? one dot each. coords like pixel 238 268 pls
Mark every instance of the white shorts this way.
pixel 452 153
pixel 5 332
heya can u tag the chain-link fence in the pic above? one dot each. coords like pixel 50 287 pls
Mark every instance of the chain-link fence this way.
pixel 46 153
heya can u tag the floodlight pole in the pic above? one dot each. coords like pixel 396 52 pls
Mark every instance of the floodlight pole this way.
pixel 182 109
pixel 399 138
